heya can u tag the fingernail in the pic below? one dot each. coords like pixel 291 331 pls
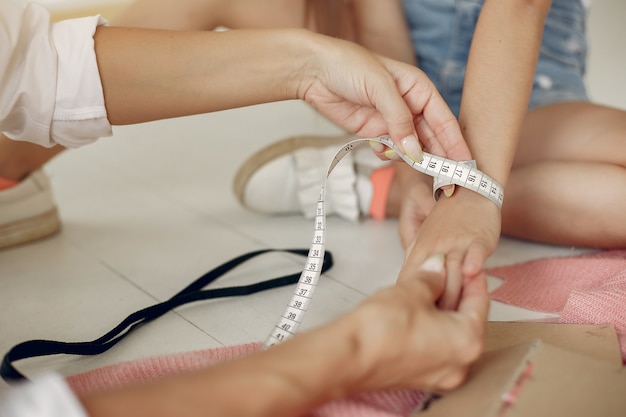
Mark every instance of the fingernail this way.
pixel 377 146
pixel 433 264
pixel 448 191
pixel 412 148
pixel 391 154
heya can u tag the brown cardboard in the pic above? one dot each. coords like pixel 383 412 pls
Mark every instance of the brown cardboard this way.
pixel 569 384
pixel 551 380
pixel 598 341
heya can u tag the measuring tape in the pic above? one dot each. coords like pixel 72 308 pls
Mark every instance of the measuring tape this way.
pixel 444 172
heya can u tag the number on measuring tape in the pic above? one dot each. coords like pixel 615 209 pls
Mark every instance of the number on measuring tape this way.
pixel 444 172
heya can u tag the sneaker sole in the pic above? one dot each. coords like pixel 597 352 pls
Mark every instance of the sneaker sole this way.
pixel 276 150
pixel 29 230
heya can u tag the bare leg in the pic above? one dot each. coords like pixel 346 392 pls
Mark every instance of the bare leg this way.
pixel 568 183
pixel 378 26
pixel 209 14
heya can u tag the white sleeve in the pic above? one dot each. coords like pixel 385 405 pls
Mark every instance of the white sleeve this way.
pixel 50 87
pixel 46 396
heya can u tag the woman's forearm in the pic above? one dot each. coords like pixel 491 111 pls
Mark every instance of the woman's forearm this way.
pixel 499 79
pixel 396 338
pixel 181 73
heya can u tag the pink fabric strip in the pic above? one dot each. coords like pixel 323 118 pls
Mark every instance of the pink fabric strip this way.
pixel 397 403
pixel 588 288
pixel 145 370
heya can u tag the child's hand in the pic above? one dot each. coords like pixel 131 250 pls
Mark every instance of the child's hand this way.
pixel 404 340
pixel 464 227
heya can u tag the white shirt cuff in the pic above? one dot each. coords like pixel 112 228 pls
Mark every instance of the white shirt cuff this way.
pixel 80 115
pixel 46 396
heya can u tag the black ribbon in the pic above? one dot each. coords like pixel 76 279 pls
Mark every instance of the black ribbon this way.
pixel 193 292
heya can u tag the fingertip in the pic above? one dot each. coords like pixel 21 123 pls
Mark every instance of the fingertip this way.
pixel 412 147
pixel 471 268
pixel 478 281
pixel 475 298
pixel 448 190
pixel 474 261
pixel 392 155
pixel 377 147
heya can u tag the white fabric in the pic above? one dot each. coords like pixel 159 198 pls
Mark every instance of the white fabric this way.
pixel 30 198
pixel 290 183
pixel 46 396
pixel 365 192
pixel 272 187
pixel 340 193
pixel 50 88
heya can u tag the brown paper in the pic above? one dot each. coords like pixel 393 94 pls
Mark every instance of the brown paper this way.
pixel 598 341
pixel 571 372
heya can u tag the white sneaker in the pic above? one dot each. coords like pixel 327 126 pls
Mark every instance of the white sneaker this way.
pixel 27 211
pixel 286 177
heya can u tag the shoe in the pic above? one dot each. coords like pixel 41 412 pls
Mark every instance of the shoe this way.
pixel 28 211
pixel 286 177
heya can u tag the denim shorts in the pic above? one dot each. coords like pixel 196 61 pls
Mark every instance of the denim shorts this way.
pixel 441 31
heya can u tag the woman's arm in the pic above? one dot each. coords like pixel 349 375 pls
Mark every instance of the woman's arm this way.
pixel 396 338
pixel 153 74
pixel 150 74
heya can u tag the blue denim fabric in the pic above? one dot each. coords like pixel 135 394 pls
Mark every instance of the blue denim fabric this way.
pixel 442 30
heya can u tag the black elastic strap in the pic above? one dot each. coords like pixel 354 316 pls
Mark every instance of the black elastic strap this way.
pixel 193 292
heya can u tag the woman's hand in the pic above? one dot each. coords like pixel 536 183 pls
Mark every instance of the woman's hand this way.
pixel 370 96
pixel 396 338
pixel 403 340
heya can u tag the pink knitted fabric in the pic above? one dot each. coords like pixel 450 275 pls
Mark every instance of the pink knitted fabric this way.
pixel 588 288
pixel 397 403
pixel 147 369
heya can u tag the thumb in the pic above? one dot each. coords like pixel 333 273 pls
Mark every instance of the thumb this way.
pixel 399 119
pixel 431 273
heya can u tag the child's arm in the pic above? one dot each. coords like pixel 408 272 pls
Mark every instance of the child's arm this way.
pixel 383 29
pixel 499 80
pixel 496 92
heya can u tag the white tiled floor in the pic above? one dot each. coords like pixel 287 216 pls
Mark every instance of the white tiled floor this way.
pixel 149 210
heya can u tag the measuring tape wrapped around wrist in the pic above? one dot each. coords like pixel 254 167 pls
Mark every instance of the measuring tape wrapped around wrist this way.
pixel 444 172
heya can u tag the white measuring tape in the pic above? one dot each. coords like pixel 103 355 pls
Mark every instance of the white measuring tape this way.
pixel 444 172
